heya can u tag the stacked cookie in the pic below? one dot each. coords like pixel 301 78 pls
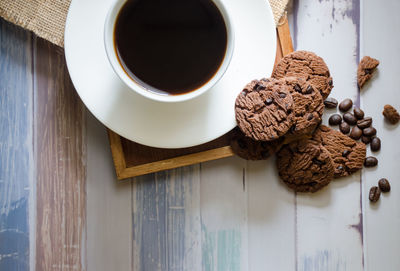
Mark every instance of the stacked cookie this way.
pixel 282 115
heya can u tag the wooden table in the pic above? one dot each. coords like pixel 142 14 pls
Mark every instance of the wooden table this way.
pixel 61 208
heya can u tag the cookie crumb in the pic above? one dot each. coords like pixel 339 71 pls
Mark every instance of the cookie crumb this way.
pixel 391 114
pixel 365 69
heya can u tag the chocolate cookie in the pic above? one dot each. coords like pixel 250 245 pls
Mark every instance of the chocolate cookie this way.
pixel 250 149
pixel 308 66
pixel 264 109
pixel 305 165
pixel 308 107
pixel 347 154
pixel 390 113
pixel 365 69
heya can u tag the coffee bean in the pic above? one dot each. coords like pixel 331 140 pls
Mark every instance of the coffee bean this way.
pixel 384 185
pixel 282 95
pixel 335 119
pixel 370 161
pixel 375 144
pixel 345 153
pixel 374 194
pixel 330 103
pixel 269 101
pixel 364 123
pixel 370 131
pixel 356 133
pixel 349 118
pixel 345 105
pixel 366 139
pixel 358 113
pixel 344 128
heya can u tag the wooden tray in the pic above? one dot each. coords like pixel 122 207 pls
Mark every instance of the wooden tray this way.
pixel 132 159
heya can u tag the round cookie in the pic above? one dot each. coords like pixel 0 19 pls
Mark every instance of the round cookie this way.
pixel 264 109
pixel 308 66
pixel 305 166
pixel 308 107
pixel 250 149
pixel 347 154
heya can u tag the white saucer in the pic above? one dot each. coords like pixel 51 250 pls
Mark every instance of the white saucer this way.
pixel 166 125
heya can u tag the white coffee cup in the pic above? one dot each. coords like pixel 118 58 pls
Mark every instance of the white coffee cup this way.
pixel 142 90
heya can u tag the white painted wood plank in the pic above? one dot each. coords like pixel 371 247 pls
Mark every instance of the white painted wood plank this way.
pixel 166 220
pixel 380 24
pixel 328 221
pixel 109 205
pixel 271 219
pixel 224 215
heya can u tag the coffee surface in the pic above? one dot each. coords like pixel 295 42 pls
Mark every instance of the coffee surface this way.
pixel 170 47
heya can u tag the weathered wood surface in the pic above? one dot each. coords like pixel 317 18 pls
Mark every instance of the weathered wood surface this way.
pixel 60 159
pixel 16 150
pixel 61 209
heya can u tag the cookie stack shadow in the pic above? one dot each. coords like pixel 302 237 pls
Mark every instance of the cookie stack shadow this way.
pixel 282 115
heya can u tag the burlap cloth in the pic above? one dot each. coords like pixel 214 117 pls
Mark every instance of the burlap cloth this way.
pixel 46 18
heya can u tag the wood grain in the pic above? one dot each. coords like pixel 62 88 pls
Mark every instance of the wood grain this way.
pixel 60 149
pixel 16 151
pixel 109 206
pixel 380 40
pixel 328 229
pixel 166 220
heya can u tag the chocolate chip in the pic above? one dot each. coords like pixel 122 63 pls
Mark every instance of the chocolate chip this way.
pixel 349 118
pixel 345 105
pixel 330 82
pixel 374 194
pixel 318 162
pixel 375 144
pixel 384 185
pixel 358 113
pixel 269 101
pixel 368 71
pixel 255 87
pixel 355 133
pixel 335 119
pixel 364 123
pixel 282 95
pixel 309 89
pixel 339 168
pixel 345 153
pixel 344 128
pixel 365 139
pixel 310 116
pixel 370 161
pixel 370 131
pixel 260 87
pixel 330 103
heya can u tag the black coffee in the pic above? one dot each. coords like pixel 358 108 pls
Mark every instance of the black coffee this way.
pixel 170 46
